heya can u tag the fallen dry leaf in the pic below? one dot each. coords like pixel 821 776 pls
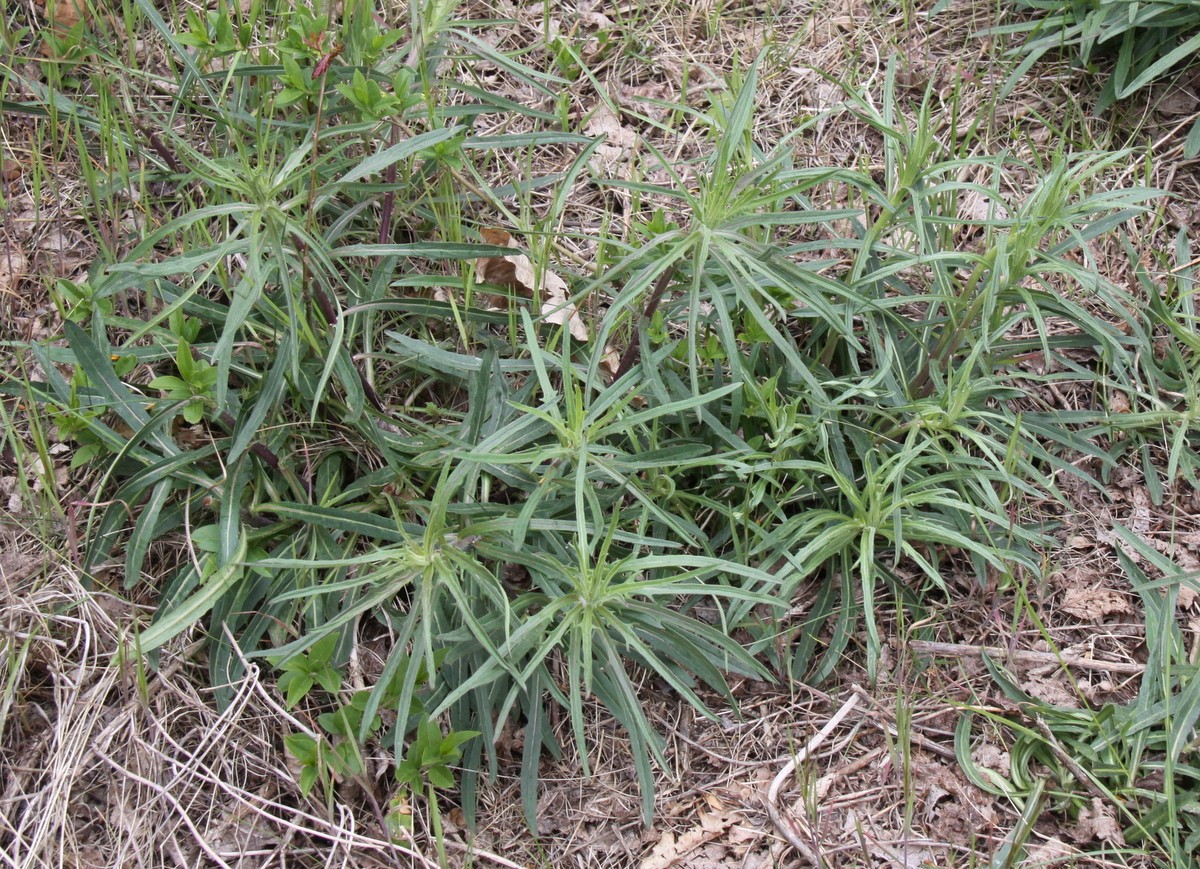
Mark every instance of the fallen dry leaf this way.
pixel 1052 852
pixel 63 15
pixel 1093 604
pixel 651 99
pixel 517 272
pixel 1186 598
pixel 611 362
pixel 1118 402
pixel 500 270
pixel 671 851
pixel 1180 101
pixel 605 122
pixel 1053 690
pixel 12 269
pixel 68 252
pixel 10 170
pixel 619 140
pixel 596 20
pixel 992 757
pixel 1098 824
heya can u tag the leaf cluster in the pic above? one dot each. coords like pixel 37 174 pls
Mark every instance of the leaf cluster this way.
pixel 1144 42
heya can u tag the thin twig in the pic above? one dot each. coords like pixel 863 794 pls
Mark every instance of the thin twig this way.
pixel 630 357
pixel 1069 762
pixel 166 796
pixel 960 650
pixel 889 727
pixel 785 829
pixel 282 815
pixel 252 673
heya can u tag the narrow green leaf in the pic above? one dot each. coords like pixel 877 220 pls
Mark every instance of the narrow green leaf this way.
pixel 347 521
pixel 424 249
pixel 1160 66
pixel 268 397
pixel 170 624
pixel 376 163
pixel 1191 145
pixel 143 531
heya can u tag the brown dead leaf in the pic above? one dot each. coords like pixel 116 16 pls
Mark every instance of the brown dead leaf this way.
pixel 66 250
pixel 1052 852
pixel 62 16
pixel 1186 597
pixel 10 170
pixel 619 140
pixel 664 855
pixel 65 14
pixel 1180 101
pixel 517 273
pixel 500 270
pixel 1052 690
pixel 605 122
pixel 611 362
pixel 1093 604
pixel 10 497
pixel 913 79
pixel 1098 823
pixel 648 99
pixel 993 757
pixel 595 20
pixel 12 269
pixel 671 851
pixel 714 802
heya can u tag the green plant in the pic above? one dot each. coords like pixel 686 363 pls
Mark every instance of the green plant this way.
pixel 214 33
pixel 79 302
pixel 430 756
pixel 1116 751
pixel 1147 41
pixel 303 672
pixel 348 728
pixel 194 386
pixel 871 434
pixel 807 395
pixel 425 768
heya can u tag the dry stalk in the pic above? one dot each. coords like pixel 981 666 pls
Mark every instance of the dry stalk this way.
pixel 961 650
pixel 783 826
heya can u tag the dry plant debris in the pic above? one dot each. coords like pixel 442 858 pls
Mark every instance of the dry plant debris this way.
pixel 13 267
pixel 518 273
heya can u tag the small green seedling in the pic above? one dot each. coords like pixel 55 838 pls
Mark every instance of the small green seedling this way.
pixel 426 767
pixel 372 102
pixel 195 383
pixel 214 33
pixel 77 302
pixel 302 672
pixel 430 756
